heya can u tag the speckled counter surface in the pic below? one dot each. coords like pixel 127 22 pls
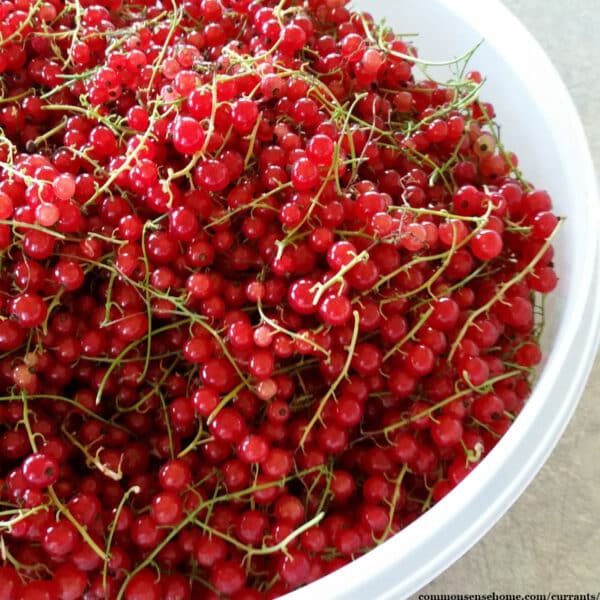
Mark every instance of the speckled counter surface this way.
pixel 549 542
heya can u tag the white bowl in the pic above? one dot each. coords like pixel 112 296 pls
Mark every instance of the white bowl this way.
pixel 540 123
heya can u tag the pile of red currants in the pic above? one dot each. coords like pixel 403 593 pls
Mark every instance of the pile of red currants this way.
pixel 266 293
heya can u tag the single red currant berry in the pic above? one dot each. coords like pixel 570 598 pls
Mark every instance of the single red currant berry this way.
pixel 144 585
pixel 488 408
pixel 228 577
pixel 486 244
pixel 228 425
pixel 60 538
pixel 335 310
pixel 446 431
pixel 175 475
pixel 167 508
pixel 294 568
pixel 188 135
pixel 29 309
pixel 301 294
pixel 40 470
pixel 304 174
pixel 320 149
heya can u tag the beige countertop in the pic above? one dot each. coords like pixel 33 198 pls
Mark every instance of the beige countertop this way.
pixel 549 541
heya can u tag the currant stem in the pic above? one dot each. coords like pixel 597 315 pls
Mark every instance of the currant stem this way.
pixel 410 334
pixel 331 391
pixel 321 288
pixel 80 528
pixel 225 401
pixel 429 411
pixel 392 504
pixel 111 531
pixel 503 289
pixel 93 461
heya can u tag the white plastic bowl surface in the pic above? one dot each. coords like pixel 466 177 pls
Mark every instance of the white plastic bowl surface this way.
pixel 539 123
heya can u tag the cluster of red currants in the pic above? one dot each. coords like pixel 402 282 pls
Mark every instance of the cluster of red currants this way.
pixel 265 295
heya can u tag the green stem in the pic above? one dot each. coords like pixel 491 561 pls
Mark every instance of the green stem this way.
pixel 80 528
pixel 430 410
pixel 225 401
pixel 191 517
pixel 503 289
pixel 111 532
pixel 331 391
pixel 398 346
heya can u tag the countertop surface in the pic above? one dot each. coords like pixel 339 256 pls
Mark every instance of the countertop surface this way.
pixel 549 541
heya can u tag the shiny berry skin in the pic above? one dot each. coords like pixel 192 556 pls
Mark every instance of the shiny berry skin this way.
pixel 244 115
pixel 487 244
pixel 446 431
pixel 488 408
pixel 175 475
pixel 320 149
pixel 209 550
pixel 188 135
pixel 340 254
pixel 29 309
pixel 212 175
pixel 445 314
pixel 304 174
pixel 335 310
pixel 70 581
pixel 40 470
pixel 228 425
pixel 60 539
pixel 167 508
pixel 253 449
pixel 301 296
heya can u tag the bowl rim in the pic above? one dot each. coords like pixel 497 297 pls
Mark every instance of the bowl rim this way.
pixel 397 568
